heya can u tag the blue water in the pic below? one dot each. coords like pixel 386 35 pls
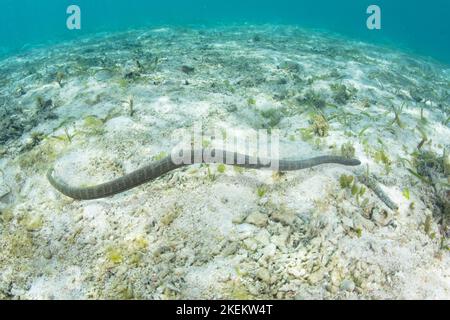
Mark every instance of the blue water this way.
pixel 415 25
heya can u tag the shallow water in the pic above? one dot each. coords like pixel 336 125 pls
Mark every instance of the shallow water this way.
pixel 97 106
pixel 413 25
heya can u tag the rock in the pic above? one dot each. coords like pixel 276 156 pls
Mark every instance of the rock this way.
pixel 239 218
pixel 297 272
pixel 257 219
pixel 263 237
pixel 315 277
pixel 244 231
pixel 281 239
pixel 348 285
pixel 380 216
pixel 187 69
pixel 34 223
pixel 285 217
pixel 250 244
pixel 230 249
pixel 263 275
pixel 331 289
pixel 253 290
pixel 269 251
pixel 47 254
pixel 335 277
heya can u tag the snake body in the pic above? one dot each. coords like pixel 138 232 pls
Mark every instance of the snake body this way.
pixel 159 168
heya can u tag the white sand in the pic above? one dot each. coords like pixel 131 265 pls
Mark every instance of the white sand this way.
pixel 188 235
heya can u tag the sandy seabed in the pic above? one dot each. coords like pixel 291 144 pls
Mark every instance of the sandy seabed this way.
pixel 103 106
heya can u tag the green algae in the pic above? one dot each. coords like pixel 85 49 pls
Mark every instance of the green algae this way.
pixel 221 168
pixel 406 194
pixel 115 255
pixel 235 289
pixel 261 190
pixel 346 181
pixel 320 125
pixel 348 150
pixel 314 99
pixel 380 156
pixel 92 125
pixel 397 110
pixel 39 157
pixel 272 116
pixel 342 93
pixel 171 215
pixel 251 101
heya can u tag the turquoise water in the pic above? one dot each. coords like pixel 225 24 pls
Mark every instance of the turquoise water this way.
pixel 418 26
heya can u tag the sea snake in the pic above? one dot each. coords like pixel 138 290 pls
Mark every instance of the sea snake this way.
pixel 159 168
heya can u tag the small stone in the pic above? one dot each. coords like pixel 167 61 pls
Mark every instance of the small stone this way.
pixel 284 217
pixel 380 216
pixel 331 289
pixel 34 223
pixel 297 272
pixel 253 290
pixel 244 231
pixel 269 250
pixel 239 218
pixel 187 69
pixel 348 285
pixel 230 249
pixel 47 254
pixel 250 244
pixel 315 277
pixel 263 275
pixel 280 240
pixel 263 237
pixel 335 278
pixel 257 219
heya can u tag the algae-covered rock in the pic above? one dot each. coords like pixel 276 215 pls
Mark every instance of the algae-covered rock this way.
pixel 258 219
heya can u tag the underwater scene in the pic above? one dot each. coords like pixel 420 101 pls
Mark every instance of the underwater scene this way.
pixel 237 150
